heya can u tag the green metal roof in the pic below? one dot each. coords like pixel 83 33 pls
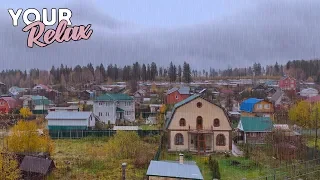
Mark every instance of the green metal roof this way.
pixel 113 97
pixel 119 110
pixel 255 124
pixel 185 101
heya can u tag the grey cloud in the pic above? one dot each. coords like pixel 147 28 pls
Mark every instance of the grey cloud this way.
pixel 267 32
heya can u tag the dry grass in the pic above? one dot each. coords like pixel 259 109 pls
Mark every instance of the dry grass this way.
pixel 87 159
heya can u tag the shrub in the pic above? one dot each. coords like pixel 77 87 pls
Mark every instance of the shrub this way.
pixel 214 167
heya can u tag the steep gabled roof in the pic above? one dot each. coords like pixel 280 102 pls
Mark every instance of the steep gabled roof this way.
pixel 185 101
pixel 255 124
pixel 12 103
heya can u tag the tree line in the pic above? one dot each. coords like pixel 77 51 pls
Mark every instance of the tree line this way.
pixel 64 74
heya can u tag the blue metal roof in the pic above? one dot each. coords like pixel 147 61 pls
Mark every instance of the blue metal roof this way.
pixel 188 170
pixel 68 115
pixel 248 105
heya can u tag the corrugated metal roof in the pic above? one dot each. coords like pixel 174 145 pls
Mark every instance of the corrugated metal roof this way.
pixel 113 97
pixel 184 90
pixel 255 124
pixel 276 95
pixel 247 105
pixel 188 170
pixel 70 115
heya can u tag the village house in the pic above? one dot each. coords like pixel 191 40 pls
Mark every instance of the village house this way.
pixel 114 108
pixel 253 130
pixel 70 120
pixel 197 125
pixel 8 104
pixel 86 95
pixel 254 107
pixel 68 108
pixel 309 92
pixel 38 104
pixel 176 94
pixel 288 83
pixel 17 91
pixel 139 95
pixel 174 170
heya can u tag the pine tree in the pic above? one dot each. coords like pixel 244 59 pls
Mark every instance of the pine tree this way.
pixel 186 73
pixel 179 74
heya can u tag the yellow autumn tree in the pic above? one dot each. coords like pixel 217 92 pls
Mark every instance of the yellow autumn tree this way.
pixel 25 112
pixel 9 166
pixel 26 137
pixel 300 114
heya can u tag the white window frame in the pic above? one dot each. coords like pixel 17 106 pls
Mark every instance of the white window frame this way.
pixel 267 106
pixel 259 106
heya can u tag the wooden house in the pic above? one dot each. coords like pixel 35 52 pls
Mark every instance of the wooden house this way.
pixel 254 107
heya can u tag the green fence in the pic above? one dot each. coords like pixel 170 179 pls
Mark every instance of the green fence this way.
pixel 76 134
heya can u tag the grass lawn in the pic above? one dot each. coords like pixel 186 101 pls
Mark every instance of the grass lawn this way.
pixel 86 159
pixel 246 168
pixel 149 127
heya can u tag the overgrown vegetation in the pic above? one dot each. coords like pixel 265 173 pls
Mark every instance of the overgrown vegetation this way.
pixel 101 158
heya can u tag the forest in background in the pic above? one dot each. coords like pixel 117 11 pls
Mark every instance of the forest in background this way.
pixel 63 75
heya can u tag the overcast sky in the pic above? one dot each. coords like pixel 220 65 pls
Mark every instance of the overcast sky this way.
pixel 205 33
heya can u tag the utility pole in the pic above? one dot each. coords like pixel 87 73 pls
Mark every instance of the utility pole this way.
pixel 124 165
pixel 316 140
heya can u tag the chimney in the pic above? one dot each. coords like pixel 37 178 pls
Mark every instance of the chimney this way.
pixel 181 159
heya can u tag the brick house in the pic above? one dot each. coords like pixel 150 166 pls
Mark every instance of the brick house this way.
pixel 176 95
pixel 288 83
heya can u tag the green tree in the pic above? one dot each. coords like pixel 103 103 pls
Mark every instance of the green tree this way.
pixel 186 73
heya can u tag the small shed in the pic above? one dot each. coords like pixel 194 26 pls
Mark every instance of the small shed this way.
pixel 36 167
pixel 159 170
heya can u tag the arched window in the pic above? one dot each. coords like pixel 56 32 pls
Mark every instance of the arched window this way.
pixel 216 122
pixel 220 140
pixel 182 122
pixel 179 139
pixel 199 122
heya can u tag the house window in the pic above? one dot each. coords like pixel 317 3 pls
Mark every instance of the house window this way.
pixel 107 113
pixel 216 122
pixel 182 122
pixel 220 140
pixel 199 122
pixel 179 139
pixel 177 97
pixel 199 104
pixel 259 106
pixel 267 106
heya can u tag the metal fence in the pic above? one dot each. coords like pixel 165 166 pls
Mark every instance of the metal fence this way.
pixel 306 170
pixel 76 134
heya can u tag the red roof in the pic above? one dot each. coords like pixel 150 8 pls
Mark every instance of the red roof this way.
pixel 12 103
pixel 314 99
